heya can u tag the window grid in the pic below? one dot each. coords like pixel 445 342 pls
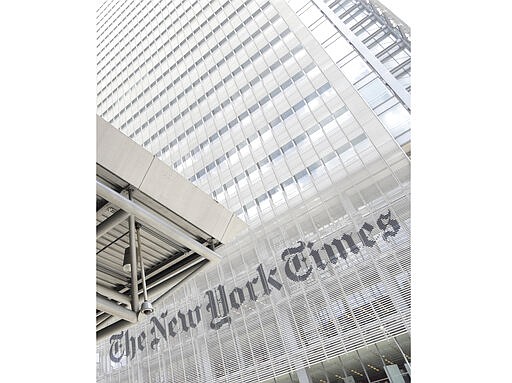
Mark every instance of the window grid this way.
pixel 394 55
pixel 341 181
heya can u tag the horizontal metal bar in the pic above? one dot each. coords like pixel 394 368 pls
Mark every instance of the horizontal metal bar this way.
pixel 169 263
pixel 154 221
pixel 166 266
pixel 109 321
pixel 113 294
pixel 111 222
pixel 110 307
pixel 102 317
pixel 173 279
pixel 155 295
pixel 177 281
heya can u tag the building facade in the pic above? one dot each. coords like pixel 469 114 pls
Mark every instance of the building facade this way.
pixel 295 116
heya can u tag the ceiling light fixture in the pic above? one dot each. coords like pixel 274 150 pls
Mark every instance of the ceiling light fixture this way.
pixel 127 265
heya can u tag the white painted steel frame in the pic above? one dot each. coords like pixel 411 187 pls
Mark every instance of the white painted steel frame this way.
pixel 113 308
pixel 111 222
pixel 113 294
pixel 115 324
pixel 154 221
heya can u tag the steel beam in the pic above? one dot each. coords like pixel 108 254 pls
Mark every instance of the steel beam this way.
pixel 113 308
pixel 160 269
pixel 178 271
pixel 133 260
pixel 155 290
pixel 142 272
pixel 175 282
pixel 175 278
pixel 155 295
pixel 107 322
pixel 169 264
pixel 151 219
pixel 102 318
pixel 113 294
pixel 111 222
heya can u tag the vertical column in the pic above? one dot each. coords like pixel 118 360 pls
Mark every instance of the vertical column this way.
pixel 394 374
pixel 133 260
pixel 303 375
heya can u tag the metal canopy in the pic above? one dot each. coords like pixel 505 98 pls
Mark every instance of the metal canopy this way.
pixel 180 227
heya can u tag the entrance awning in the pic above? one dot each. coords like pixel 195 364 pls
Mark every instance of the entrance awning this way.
pixel 179 228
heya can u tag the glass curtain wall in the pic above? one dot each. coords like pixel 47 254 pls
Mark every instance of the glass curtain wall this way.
pixel 245 101
pixel 391 48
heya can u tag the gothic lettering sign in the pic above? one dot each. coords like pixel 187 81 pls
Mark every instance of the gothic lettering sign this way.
pixel 219 302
